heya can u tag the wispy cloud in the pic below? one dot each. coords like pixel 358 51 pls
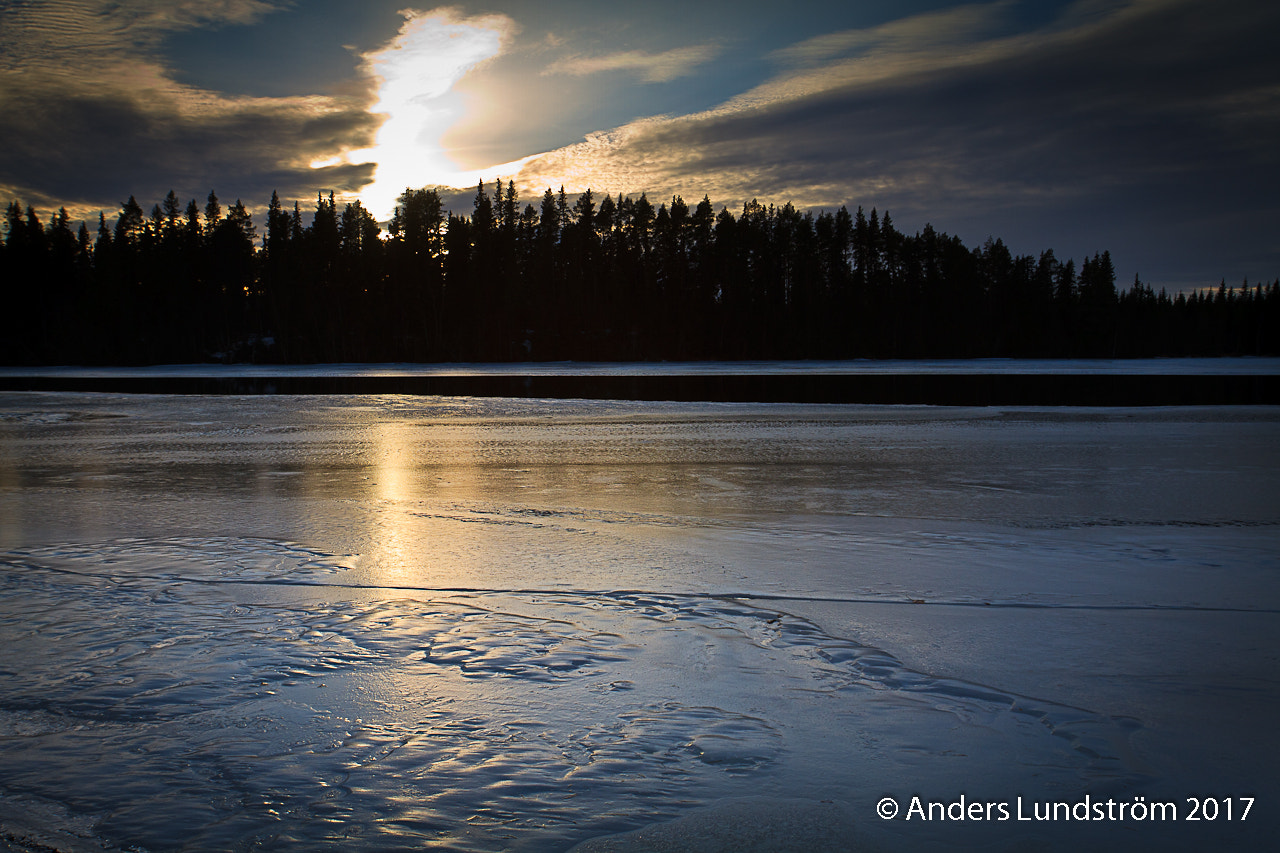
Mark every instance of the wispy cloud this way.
pixel 650 67
pixel 927 33
pixel 895 53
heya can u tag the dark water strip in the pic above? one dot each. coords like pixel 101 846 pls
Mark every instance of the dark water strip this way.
pixel 992 389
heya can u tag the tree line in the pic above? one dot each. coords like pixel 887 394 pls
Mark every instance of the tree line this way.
pixel 612 278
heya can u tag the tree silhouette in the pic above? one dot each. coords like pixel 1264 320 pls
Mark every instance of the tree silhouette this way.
pixel 595 277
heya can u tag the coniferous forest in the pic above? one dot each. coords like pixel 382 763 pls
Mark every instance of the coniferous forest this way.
pixel 596 279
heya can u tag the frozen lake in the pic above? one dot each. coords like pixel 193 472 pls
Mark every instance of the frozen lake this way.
pixel 388 622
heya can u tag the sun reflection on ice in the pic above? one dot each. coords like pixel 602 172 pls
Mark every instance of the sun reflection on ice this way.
pixel 396 544
pixel 431 491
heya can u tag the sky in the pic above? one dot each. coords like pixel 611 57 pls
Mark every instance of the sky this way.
pixel 1149 128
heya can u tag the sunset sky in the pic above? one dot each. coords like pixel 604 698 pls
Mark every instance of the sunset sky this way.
pixel 1150 128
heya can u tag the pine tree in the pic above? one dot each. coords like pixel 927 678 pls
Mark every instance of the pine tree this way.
pixel 212 214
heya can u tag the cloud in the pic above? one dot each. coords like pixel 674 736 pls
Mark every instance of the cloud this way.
pixel 92 116
pixel 1099 124
pixel 761 141
pixel 416 74
pixel 69 38
pixel 651 67
pixel 918 35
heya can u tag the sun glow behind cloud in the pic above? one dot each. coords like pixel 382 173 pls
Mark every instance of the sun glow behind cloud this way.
pixel 417 72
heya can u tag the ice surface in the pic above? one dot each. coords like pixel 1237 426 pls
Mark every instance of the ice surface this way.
pixel 389 623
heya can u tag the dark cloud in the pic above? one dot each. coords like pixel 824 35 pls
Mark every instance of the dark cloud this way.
pixel 95 151
pixel 91 118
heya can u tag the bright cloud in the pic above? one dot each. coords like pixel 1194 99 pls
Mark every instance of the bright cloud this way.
pixel 417 72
